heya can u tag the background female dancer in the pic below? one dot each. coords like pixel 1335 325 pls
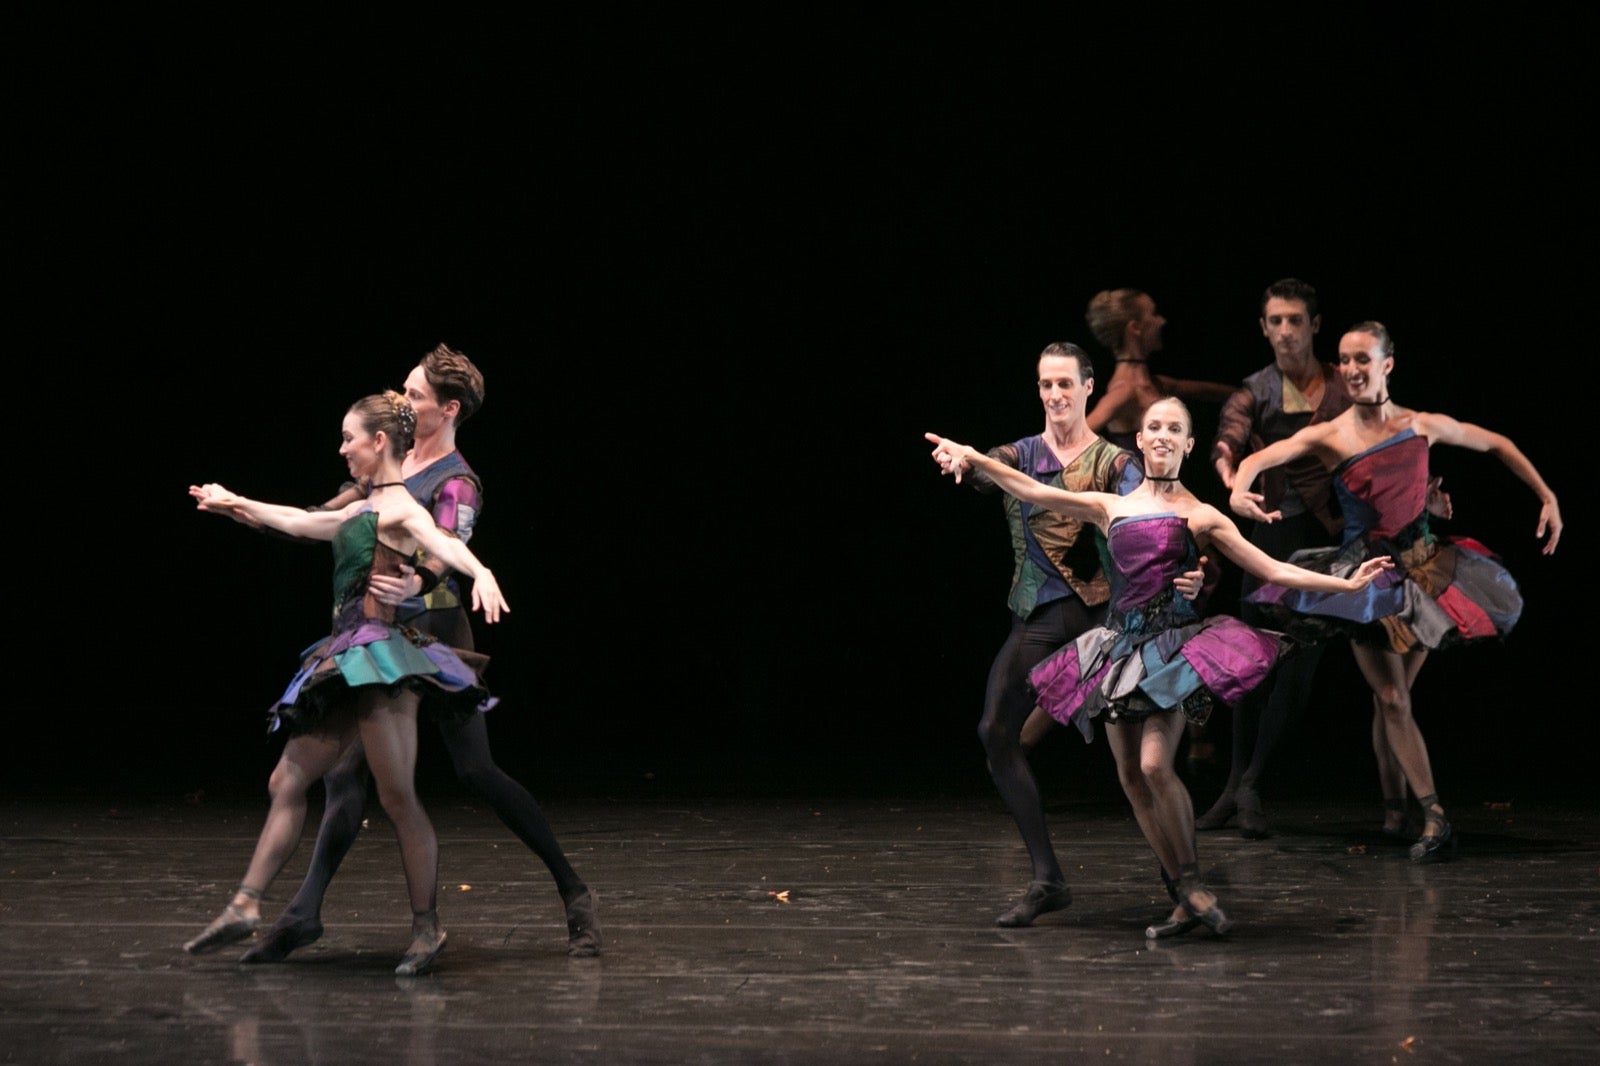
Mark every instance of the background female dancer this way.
pixel 1127 324
pixel 1444 593
pixel 1154 656
pixel 445 389
pixel 368 677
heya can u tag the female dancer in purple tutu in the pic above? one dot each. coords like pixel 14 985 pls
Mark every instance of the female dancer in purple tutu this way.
pixel 368 678
pixel 1156 665
pixel 1445 592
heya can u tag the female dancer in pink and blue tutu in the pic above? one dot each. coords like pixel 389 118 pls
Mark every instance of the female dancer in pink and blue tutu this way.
pixel 1156 665
pixel 1443 592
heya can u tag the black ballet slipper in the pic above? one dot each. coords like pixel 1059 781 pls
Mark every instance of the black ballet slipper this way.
pixel 1252 823
pixel 230 927
pixel 420 962
pixel 1042 897
pixel 1220 814
pixel 583 927
pixel 278 942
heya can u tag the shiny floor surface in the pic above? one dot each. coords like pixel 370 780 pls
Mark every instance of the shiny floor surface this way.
pixel 827 928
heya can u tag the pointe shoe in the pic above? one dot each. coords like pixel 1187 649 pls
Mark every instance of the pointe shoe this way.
pixel 420 962
pixel 1212 917
pixel 1170 928
pixel 583 927
pixel 276 943
pixel 1042 897
pixel 1220 814
pixel 229 927
pixel 1435 847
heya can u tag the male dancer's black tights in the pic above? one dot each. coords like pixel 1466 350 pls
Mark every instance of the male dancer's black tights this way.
pixel 1007 700
pixel 1263 717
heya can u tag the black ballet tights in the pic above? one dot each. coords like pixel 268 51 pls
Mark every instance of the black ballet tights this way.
pixel 1261 720
pixel 468 743
pixel 1008 699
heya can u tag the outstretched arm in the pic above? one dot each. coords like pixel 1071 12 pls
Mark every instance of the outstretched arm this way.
pixel 1226 536
pixel 486 594
pixel 295 521
pixel 1442 429
pixel 955 459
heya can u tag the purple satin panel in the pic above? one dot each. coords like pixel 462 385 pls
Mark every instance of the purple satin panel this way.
pixel 1232 658
pixel 1144 548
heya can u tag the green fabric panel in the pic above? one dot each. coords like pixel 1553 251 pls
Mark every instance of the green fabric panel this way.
pixel 353 545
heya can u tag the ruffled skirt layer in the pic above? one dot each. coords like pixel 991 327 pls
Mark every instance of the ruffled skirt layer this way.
pixel 377 654
pixel 1186 668
pixel 1442 593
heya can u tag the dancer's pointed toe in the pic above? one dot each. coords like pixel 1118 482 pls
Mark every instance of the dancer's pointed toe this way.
pixel 1042 897
pixel 229 927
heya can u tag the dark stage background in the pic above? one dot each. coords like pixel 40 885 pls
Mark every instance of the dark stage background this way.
pixel 720 278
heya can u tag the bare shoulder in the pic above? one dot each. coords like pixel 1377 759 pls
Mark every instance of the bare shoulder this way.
pixel 1427 423
pixel 401 512
pixel 1203 518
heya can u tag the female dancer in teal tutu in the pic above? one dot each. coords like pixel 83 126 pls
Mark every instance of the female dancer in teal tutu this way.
pixel 1444 592
pixel 368 678
pixel 1156 665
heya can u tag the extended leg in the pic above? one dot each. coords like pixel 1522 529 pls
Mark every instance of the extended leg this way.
pixel 467 741
pixel 345 800
pixel 305 758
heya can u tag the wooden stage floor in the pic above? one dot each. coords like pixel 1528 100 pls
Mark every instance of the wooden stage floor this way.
pixel 831 928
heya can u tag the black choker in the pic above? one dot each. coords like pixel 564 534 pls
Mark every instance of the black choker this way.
pixel 1370 403
pixel 1152 477
pixel 384 485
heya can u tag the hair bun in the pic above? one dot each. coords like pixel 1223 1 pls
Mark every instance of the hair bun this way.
pixel 404 412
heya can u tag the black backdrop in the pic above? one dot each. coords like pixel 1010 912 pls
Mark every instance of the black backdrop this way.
pixel 721 277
